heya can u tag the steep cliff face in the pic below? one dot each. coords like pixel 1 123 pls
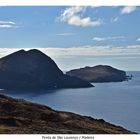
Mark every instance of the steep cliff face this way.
pixel 33 70
pixel 23 117
pixel 100 73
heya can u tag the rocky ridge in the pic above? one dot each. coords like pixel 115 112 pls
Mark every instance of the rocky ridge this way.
pixel 99 74
pixel 34 70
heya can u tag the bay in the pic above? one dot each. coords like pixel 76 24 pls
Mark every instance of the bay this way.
pixel 115 102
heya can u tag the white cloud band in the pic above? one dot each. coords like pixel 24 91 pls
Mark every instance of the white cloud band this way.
pixel 100 39
pixel 7 24
pixel 82 51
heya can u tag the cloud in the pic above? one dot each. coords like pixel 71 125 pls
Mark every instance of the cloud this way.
pixel 89 50
pixel 138 39
pixel 66 34
pixel 73 16
pixel 7 24
pixel 128 9
pixel 115 19
pixel 100 39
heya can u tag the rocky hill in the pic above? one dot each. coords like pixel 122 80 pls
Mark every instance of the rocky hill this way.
pixel 99 73
pixel 23 117
pixel 34 70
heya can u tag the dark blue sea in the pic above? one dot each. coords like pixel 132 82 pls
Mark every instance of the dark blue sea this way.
pixel 117 103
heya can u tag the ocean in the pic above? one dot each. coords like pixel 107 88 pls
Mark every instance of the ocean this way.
pixel 115 102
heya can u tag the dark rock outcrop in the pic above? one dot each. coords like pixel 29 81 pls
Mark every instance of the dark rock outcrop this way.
pixel 34 70
pixel 100 73
pixel 23 117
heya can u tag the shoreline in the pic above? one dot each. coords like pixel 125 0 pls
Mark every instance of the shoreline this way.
pixel 19 116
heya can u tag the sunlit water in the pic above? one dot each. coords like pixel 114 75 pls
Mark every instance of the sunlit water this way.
pixel 118 103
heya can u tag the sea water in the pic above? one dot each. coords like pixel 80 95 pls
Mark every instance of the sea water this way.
pixel 115 102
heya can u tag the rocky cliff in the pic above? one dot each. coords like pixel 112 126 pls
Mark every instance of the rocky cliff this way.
pixel 34 70
pixel 99 73
pixel 23 117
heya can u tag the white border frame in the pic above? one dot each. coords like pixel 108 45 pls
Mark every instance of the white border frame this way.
pixel 69 2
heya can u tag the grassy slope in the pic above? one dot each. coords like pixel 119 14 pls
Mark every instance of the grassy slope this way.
pixel 24 117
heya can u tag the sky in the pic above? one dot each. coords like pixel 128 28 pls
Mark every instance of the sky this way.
pixel 74 36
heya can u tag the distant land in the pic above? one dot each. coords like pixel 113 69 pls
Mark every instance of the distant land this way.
pixel 35 70
pixel 23 117
pixel 99 74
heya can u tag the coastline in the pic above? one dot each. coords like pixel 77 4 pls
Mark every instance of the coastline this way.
pixel 19 116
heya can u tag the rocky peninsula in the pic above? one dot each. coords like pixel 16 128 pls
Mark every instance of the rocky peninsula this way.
pixel 34 70
pixel 99 74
